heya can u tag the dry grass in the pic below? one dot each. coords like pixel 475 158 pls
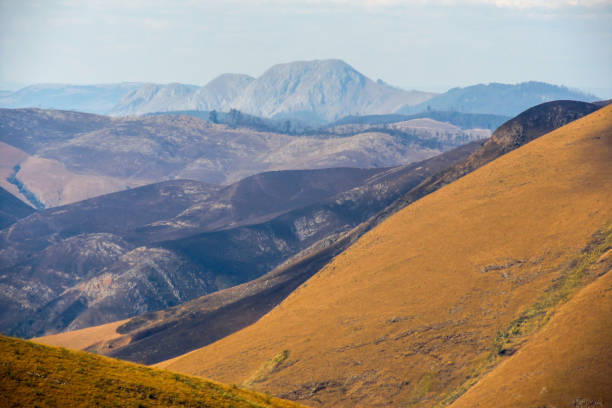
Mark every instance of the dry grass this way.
pixel 565 364
pixel 581 271
pixel 33 375
pixel 83 339
pixel 267 369
pixel 410 299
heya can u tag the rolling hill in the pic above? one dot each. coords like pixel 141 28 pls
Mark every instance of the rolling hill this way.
pixel 498 99
pixel 58 157
pixel 459 119
pixel 42 376
pixel 157 336
pixel 443 291
pixel 156 246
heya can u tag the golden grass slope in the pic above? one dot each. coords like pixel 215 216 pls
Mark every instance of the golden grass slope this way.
pixel 33 375
pixel 566 364
pixel 410 314
pixel 84 338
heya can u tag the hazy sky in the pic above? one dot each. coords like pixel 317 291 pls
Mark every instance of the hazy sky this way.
pixel 426 44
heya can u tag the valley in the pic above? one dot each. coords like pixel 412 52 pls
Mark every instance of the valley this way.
pixel 313 92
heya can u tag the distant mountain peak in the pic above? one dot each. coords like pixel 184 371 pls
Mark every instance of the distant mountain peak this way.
pixel 230 77
pixel 315 90
pixel 320 90
pixel 316 63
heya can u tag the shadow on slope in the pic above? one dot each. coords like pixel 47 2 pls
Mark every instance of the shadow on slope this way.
pixel 12 209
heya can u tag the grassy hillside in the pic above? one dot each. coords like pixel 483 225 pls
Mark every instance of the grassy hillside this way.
pixel 33 375
pixel 435 296
pixel 566 364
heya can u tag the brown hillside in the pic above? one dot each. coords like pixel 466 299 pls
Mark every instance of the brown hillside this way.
pixel 411 312
pixel 33 375
pixel 566 364
pixel 81 339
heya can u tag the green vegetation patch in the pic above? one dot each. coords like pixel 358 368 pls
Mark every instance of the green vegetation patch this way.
pixel 42 376
pixel 268 368
pixel 423 386
pixel 577 275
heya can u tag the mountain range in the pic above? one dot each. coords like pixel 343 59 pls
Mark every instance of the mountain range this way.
pixel 498 99
pixel 315 92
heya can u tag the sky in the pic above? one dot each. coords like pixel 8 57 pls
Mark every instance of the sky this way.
pixel 415 44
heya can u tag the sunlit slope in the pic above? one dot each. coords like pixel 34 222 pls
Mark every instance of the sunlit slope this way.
pixel 566 364
pixel 83 338
pixel 33 375
pixel 407 314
